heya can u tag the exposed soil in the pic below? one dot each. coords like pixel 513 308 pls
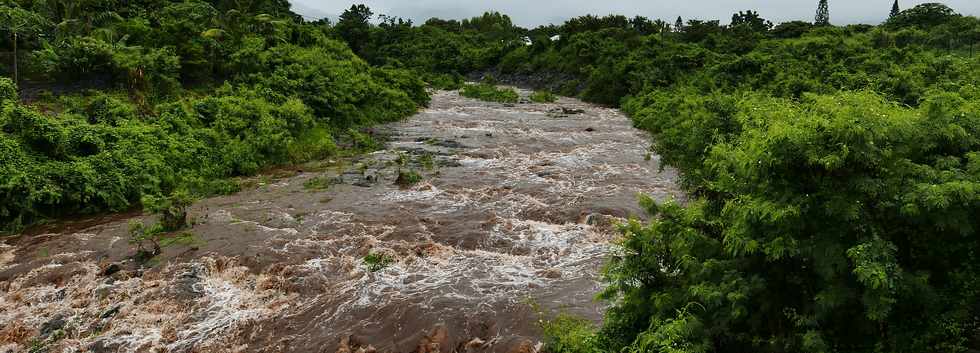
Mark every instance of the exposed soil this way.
pixel 514 212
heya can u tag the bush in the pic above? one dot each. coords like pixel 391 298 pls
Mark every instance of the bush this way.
pixel 376 261
pixel 340 88
pixel 543 97
pixel 923 16
pixel 570 334
pixel 408 178
pixel 161 123
pixel 445 81
pixel 172 209
pixel 490 93
pixel 100 154
pixel 312 144
pixel 8 90
pixel 517 61
pixel 809 229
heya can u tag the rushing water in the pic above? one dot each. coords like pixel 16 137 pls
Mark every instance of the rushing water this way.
pixel 514 215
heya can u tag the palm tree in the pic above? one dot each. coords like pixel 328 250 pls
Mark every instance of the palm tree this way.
pixel 19 22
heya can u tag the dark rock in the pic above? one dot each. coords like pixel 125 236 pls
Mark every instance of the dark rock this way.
pixel 111 269
pixel 112 311
pixel 449 163
pixel 56 323
pixel 101 346
pixel 590 129
pixel 186 282
pixel 448 144
pixel 591 219
pixel 568 84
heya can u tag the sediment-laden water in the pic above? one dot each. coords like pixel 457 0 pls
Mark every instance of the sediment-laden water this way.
pixel 513 216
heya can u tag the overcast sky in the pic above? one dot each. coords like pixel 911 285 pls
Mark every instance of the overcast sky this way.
pixel 531 13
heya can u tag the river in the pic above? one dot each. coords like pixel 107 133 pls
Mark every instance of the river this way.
pixel 513 218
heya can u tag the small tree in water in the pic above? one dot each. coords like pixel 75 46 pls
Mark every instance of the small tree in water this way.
pixel 173 216
pixel 823 14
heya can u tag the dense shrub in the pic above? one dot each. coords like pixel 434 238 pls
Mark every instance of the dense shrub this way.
pixel 102 152
pixel 923 15
pixel 8 91
pixel 490 93
pixel 339 87
pixel 71 163
pixel 543 97
pixel 445 81
pixel 809 233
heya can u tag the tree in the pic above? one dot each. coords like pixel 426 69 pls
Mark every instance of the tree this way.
pixel 643 25
pixel 354 27
pixel 19 22
pixel 823 14
pixel 895 10
pixel 697 31
pixel 791 29
pixel 793 249
pixel 924 16
pixel 679 25
pixel 751 20
pixel 7 89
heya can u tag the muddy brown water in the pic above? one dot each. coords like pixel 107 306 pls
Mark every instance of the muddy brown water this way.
pixel 512 218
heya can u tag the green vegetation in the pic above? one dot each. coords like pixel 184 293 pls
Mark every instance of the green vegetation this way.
pixel 490 93
pixel 571 334
pixel 188 93
pixel 832 172
pixel 172 211
pixel 811 213
pixel 182 239
pixel 543 97
pixel 376 261
pixel 427 161
pixel 320 183
pixel 408 178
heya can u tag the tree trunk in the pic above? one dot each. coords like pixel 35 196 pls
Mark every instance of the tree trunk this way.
pixel 16 82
